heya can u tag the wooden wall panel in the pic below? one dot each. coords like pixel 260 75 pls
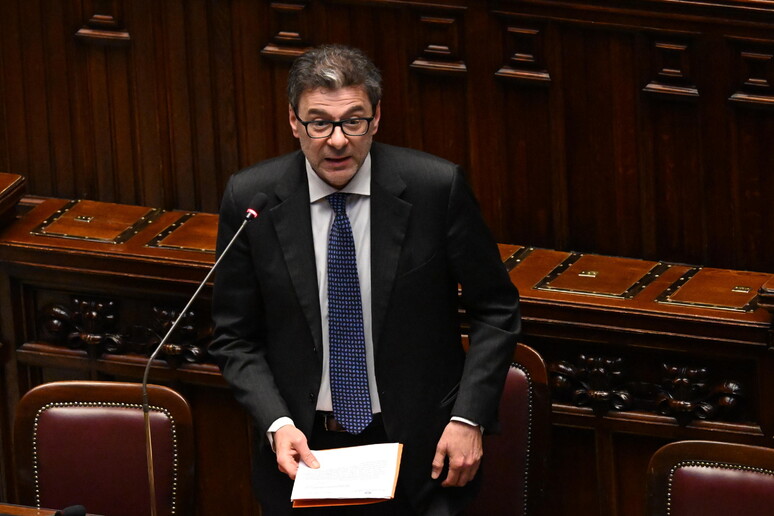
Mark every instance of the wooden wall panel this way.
pixel 631 454
pixel 573 463
pixel 224 443
pixel 618 130
pixel 599 124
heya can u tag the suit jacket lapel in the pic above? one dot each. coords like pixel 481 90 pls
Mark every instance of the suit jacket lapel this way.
pixel 292 221
pixel 389 219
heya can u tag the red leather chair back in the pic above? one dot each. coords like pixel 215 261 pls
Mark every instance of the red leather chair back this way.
pixel 84 443
pixel 515 459
pixel 706 478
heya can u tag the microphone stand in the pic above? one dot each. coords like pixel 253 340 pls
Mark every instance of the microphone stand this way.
pixel 259 199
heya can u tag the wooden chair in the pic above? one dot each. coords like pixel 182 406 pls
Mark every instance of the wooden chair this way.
pixel 706 478
pixel 83 442
pixel 515 459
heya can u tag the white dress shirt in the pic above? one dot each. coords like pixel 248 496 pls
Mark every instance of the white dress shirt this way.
pixel 359 213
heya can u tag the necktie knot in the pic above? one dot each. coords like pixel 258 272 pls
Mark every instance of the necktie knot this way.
pixel 338 202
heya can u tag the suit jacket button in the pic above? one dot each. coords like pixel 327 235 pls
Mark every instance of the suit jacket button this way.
pixel 312 396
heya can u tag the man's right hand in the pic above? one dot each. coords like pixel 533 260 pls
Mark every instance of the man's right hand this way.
pixel 291 447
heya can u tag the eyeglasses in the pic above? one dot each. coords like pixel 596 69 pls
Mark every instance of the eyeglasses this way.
pixel 324 128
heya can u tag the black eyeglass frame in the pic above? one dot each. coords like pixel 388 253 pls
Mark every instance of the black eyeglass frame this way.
pixel 336 124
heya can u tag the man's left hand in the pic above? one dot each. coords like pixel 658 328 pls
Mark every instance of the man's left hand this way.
pixel 461 444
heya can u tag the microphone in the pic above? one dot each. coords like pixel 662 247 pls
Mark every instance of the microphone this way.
pixel 73 510
pixel 257 203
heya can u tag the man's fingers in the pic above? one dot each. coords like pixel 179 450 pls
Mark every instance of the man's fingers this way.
pixel 456 472
pixel 288 465
pixel 462 444
pixel 301 447
pixel 452 477
pixel 438 462
pixel 291 446
pixel 310 460
pixel 461 471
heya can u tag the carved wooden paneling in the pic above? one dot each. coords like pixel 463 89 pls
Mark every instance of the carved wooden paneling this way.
pixel 600 140
pixel 749 187
pixel 753 67
pixel 671 75
pixel 442 49
pixel 290 29
pixel 105 23
pixel 514 144
pixel 525 58
pixel 438 80
pixel 196 91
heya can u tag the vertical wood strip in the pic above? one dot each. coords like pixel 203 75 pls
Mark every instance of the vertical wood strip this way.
pixel 12 141
pixel 122 115
pixel 149 124
pixel 33 76
pixel 201 105
pixel 185 185
pixel 96 70
pixel 58 95
pixel 223 87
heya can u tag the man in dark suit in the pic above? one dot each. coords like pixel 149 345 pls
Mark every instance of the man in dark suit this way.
pixel 418 235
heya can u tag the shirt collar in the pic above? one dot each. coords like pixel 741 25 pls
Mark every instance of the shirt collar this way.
pixel 360 183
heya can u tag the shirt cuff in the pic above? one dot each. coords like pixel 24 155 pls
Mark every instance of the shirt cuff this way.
pixel 467 422
pixel 279 423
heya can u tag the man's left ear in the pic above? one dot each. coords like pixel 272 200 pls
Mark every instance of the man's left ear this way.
pixel 377 117
pixel 293 120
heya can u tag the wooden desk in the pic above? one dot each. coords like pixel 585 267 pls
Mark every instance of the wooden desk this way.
pixel 640 353
pixel 19 510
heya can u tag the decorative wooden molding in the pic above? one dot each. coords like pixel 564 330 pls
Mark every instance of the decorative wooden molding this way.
pixel 442 46
pixel 105 27
pixel 525 56
pixel 290 25
pixel 686 392
pixel 92 324
pixel 754 67
pixel 671 69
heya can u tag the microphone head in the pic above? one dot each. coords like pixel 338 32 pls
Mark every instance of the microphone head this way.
pixel 73 510
pixel 257 203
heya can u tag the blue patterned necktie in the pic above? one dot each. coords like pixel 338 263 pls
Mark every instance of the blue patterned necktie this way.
pixel 349 380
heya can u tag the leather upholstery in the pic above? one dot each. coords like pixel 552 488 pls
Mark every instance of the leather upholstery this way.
pixel 84 443
pixel 514 463
pixel 711 479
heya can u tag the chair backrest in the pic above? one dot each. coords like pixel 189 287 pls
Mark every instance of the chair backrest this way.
pixel 83 442
pixel 515 459
pixel 711 479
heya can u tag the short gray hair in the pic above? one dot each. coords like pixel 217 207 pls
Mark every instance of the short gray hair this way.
pixel 333 67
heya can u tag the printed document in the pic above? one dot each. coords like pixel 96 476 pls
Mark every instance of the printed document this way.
pixel 349 476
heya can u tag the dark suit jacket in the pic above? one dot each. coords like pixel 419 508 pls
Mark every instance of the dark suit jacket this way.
pixel 427 236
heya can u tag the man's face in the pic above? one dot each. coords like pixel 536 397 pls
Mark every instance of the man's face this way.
pixel 335 159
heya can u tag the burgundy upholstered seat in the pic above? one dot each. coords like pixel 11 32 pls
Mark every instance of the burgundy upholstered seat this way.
pixel 515 459
pixel 706 478
pixel 84 443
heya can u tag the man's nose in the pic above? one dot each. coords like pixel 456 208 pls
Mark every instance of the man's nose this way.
pixel 337 138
